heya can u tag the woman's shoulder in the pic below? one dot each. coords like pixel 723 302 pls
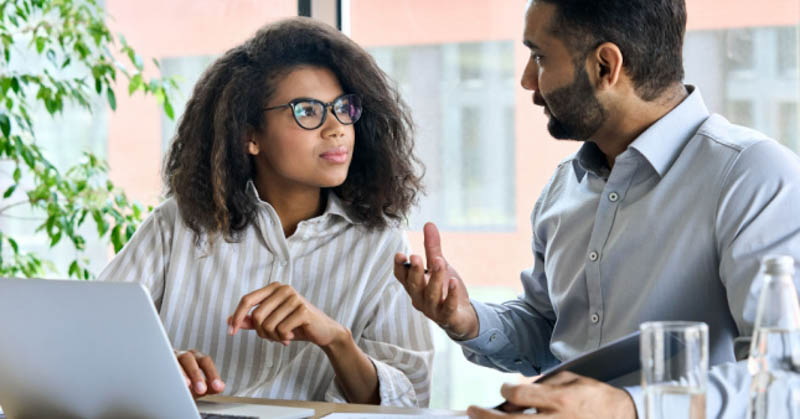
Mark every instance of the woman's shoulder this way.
pixel 392 237
pixel 167 211
pixel 164 217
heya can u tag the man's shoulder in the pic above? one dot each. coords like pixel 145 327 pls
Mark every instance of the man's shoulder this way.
pixel 747 149
pixel 735 137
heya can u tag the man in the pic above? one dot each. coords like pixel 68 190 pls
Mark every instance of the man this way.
pixel 663 214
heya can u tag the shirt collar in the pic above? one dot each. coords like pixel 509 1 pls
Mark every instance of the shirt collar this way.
pixel 660 144
pixel 663 141
pixel 334 206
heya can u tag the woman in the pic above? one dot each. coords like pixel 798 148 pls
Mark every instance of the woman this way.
pixel 291 170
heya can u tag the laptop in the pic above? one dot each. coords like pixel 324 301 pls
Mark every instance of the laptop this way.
pixel 78 349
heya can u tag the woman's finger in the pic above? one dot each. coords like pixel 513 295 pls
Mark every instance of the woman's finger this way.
pixel 188 362
pixel 277 315
pixel 247 302
pixel 213 380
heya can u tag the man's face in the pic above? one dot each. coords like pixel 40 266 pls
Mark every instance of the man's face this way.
pixel 559 85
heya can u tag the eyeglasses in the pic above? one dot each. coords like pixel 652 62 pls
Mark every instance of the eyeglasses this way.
pixel 310 113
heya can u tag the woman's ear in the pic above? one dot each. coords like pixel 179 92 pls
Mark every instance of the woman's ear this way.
pixel 252 146
pixel 607 65
pixel 251 143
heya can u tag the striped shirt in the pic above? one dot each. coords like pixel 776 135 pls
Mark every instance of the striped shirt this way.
pixel 334 262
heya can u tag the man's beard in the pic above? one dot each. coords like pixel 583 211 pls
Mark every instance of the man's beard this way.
pixel 575 112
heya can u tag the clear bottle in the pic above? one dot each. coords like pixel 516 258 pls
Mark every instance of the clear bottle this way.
pixel 774 361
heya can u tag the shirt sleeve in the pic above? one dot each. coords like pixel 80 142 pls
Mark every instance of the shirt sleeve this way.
pixel 515 336
pixel 757 216
pixel 397 339
pixel 144 258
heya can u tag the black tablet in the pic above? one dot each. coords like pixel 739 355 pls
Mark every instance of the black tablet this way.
pixel 610 361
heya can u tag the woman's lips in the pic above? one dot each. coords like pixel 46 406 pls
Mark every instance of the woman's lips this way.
pixel 338 155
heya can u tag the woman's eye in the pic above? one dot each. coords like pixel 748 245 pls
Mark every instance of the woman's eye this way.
pixel 305 110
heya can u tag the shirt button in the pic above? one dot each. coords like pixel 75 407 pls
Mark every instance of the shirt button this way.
pixel 493 337
pixel 593 256
pixel 613 197
pixel 595 317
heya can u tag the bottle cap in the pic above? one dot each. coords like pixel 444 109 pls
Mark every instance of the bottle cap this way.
pixel 779 265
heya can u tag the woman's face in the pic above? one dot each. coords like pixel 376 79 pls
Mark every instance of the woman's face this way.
pixel 288 156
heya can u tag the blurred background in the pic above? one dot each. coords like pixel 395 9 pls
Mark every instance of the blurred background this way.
pixel 485 146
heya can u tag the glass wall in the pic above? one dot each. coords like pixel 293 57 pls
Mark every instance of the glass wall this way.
pixel 490 162
pixel 485 146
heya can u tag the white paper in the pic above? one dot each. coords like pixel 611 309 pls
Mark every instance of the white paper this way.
pixel 381 416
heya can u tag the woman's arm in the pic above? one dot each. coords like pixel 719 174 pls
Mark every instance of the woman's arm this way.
pixel 354 370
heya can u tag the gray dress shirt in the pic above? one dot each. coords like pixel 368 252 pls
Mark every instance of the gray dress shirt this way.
pixel 675 231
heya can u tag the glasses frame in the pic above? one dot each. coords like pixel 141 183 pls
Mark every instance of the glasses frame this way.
pixel 326 106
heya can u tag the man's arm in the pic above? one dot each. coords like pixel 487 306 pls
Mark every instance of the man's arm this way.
pixel 758 215
pixel 514 336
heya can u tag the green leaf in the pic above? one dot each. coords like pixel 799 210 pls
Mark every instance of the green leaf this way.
pixel 5 84
pixel 17 175
pixel 9 191
pixel 102 225
pixel 5 125
pixel 73 268
pixel 40 42
pixel 135 83
pixel 129 230
pixel 112 99
pixel 13 244
pixel 55 239
pixel 116 239
pixel 51 221
pixel 168 108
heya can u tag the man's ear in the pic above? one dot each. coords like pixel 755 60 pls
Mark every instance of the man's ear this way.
pixel 606 65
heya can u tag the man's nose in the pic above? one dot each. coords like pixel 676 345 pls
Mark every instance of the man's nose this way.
pixel 529 79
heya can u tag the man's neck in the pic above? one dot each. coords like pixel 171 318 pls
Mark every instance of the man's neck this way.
pixel 630 118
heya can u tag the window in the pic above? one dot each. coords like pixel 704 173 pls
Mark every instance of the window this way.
pixel 755 84
pixel 461 97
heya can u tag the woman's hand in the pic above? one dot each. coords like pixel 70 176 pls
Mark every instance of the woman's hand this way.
pixel 200 373
pixel 283 315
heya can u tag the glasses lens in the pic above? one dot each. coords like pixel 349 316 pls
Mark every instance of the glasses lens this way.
pixel 308 113
pixel 347 109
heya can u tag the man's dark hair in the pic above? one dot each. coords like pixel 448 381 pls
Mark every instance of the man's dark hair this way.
pixel 648 32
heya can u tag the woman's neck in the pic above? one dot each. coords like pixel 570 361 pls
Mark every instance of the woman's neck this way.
pixel 293 205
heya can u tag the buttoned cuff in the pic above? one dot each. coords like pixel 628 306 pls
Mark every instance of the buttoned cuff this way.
pixel 394 388
pixel 491 339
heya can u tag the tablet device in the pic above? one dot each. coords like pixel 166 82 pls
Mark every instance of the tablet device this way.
pixel 606 363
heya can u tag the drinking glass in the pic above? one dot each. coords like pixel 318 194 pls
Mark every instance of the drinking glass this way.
pixel 674 357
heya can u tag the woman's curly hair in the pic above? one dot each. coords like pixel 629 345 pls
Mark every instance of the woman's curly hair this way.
pixel 207 167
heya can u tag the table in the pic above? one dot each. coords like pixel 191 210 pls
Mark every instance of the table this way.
pixel 322 408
